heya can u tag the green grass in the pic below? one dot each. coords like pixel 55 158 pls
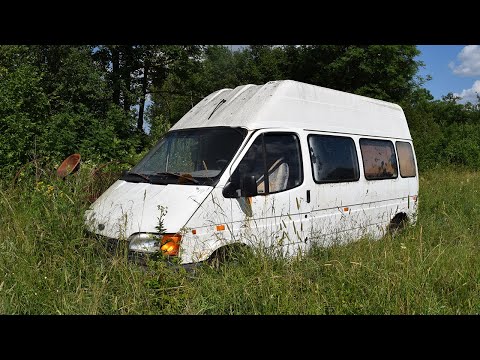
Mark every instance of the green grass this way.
pixel 49 266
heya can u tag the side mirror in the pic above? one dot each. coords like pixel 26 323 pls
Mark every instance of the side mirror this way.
pixel 231 190
pixel 249 187
pixel 124 173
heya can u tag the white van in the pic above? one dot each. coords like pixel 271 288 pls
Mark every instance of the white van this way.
pixel 284 166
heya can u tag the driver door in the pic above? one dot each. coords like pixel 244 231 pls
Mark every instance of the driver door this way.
pixel 271 217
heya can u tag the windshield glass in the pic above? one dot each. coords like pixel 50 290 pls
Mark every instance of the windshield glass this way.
pixel 191 156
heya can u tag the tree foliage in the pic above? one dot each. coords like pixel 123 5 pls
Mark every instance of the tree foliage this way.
pixel 24 106
pixel 98 99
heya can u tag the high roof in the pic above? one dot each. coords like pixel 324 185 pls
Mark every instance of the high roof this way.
pixel 292 104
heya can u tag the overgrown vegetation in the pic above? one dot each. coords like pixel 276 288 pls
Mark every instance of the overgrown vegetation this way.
pixel 49 266
pixel 97 100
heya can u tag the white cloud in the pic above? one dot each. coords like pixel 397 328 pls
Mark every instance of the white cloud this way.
pixel 469 61
pixel 470 94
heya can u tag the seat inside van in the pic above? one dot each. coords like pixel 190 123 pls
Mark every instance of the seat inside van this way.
pixel 278 175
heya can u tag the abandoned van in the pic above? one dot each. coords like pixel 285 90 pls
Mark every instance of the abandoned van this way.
pixel 283 166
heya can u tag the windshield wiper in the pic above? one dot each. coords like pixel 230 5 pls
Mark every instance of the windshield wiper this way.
pixel 216 107
pixel 128 173
pixel 178 176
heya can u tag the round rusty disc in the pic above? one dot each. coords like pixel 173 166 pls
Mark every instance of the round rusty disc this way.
pixel 69 165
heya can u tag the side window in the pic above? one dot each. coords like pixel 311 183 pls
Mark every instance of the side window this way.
pixel 406 159
pixel 253 163
pixel 283 160
pixel 379 160
pixel 275 161
pixel 333 158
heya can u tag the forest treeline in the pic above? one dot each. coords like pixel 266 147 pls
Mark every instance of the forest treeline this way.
pixel 98 100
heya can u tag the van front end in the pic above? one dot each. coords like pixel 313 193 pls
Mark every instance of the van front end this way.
pixel 151 218
pixel 173 221
pixel 151 205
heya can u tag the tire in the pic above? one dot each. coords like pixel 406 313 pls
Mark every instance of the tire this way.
pixel 229 254
pixel 397 224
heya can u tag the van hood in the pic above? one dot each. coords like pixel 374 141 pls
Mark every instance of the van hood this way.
pixel 127 208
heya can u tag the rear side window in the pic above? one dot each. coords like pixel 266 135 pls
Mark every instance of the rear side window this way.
pixel 379 160
pixel 333 158
pixel 406 159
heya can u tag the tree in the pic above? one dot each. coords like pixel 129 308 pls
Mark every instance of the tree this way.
pixel 385 72
pixel 54 101
pixel 24 107
pixel 157 62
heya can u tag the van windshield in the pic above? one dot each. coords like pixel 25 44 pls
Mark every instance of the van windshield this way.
pixel 191 156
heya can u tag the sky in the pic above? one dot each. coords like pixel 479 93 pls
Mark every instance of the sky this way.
pixel 453 68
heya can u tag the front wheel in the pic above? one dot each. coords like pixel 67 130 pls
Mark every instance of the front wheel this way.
pixel 230 254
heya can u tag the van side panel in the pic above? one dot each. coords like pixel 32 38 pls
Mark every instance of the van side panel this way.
pixel 287 223
pixel 200 236
pixel 344 211
pixel 273 223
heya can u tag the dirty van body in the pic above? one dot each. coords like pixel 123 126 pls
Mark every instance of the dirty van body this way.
pixel 281 166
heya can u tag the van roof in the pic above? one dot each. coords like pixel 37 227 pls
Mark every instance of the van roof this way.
pixel 293 104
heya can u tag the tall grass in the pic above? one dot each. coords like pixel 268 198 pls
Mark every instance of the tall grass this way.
pixel 49 266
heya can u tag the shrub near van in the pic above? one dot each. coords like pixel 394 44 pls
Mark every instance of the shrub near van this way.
pixel 281 166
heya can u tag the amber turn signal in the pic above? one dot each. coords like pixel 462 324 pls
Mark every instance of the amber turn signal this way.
pixel 170 244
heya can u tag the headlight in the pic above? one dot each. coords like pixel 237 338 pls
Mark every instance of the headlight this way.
pixel 143 242
pixel 168 244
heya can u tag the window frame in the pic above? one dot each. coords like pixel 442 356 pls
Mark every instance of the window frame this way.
pixel 394 151
pixel 333 181
pixel 265 174
pixel 413 157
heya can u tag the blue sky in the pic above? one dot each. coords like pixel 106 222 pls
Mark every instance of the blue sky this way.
pixel 454 68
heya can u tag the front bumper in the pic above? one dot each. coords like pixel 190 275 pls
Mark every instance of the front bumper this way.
pixel 116 247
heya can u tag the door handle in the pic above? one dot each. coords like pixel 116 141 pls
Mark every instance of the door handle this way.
pixel 308 196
